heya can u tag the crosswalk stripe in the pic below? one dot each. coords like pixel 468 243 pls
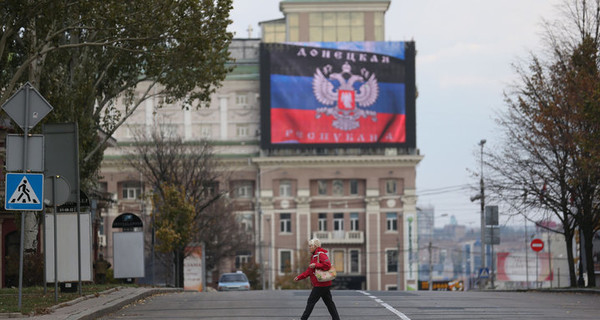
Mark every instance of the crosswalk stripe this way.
pixel 385 305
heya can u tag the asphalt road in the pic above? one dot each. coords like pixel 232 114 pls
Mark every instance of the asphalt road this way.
pixel 289 304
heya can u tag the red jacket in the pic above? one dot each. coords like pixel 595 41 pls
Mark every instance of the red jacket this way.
pixel 321 260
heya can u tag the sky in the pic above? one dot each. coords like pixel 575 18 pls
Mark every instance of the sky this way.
pixel 466 50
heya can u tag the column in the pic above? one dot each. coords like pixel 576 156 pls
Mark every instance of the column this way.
pixel 187 125
pixel 149 113
pixel 410 268
pixel 373 240
pixel 303 219
pixel 223 117
pixel 267 207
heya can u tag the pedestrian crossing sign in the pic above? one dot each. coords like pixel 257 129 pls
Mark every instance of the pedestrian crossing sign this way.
pixel 24 191
pixel 484 273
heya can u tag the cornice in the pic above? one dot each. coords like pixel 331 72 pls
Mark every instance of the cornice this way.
pixel 335 161
pixel 304 161
pixel 333 6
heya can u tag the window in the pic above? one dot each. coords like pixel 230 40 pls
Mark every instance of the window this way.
pixel 392 222
pixel 338 187
pixel 242 130
pixel 241 99
pixel 392 260
pixel 379 26
pixel 390 187
pixel 338 261
pixel 169 130
pixel 285 261
pixel 245 221
pixel 274 32
pixel 285 188
pixel 293 20
pixel 354 187
pixel 243 189
pixel 354 221
pixel 322 187
pixel 357 26
pixel 129 131
pixel 242 258
pixel 210 189
pixel 205 131
pixel 338 221
pixel 131 190
pixel 336 26
pixel 285 222
pixel 322 221
pixel 354 261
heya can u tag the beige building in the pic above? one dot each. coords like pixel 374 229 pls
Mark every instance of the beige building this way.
pixel 360 202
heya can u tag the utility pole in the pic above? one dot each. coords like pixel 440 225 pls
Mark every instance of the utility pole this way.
pixel 482 199
pixel 430 269
pixel 271 265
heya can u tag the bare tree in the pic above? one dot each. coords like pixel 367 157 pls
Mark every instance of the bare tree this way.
pixel 549 165
pixel 167 163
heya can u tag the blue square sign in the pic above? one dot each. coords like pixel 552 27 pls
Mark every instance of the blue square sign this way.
pixel 24 191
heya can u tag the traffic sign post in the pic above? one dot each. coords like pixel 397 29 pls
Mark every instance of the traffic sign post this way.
pixel 491 221
pixel 26 108
pixel 537 245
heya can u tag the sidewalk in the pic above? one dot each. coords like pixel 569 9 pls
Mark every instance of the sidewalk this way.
pixel 97 305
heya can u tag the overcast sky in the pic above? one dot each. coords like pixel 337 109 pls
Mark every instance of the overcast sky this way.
pixel 465 52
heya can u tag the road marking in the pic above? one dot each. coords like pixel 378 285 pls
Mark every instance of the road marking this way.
pixel 385 305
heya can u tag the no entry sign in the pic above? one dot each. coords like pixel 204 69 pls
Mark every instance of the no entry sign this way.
pixel 537 245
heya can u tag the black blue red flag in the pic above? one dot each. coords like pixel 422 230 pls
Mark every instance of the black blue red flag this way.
pixel 337 93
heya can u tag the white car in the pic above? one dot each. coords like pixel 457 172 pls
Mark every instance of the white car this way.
pixel 234 282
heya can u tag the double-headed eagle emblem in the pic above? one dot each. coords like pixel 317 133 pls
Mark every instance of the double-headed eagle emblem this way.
pixel 348 95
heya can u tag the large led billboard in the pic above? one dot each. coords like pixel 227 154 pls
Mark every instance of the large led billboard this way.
pixel 338 94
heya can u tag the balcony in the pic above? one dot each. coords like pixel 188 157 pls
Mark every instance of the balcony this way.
pixel 340 237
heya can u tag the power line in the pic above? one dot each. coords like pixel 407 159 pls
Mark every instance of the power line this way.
pixel 443 190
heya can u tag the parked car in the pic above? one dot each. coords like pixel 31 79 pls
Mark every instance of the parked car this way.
pixel 234 282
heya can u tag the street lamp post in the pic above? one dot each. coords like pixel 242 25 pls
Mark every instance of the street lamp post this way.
pixel 269 270
pixel 482 199
pixel 259 214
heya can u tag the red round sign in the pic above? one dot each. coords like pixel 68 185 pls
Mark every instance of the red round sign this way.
pixel 537 245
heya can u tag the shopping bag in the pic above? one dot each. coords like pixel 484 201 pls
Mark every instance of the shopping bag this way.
pixel 324 276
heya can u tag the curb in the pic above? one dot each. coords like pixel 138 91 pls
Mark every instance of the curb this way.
pixel 12 315
pixel 117 306
pixel 105 309
pixel 82 298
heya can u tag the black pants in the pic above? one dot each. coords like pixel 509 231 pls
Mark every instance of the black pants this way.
pixel 325 294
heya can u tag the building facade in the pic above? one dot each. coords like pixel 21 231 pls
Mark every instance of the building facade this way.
pixel 360 202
